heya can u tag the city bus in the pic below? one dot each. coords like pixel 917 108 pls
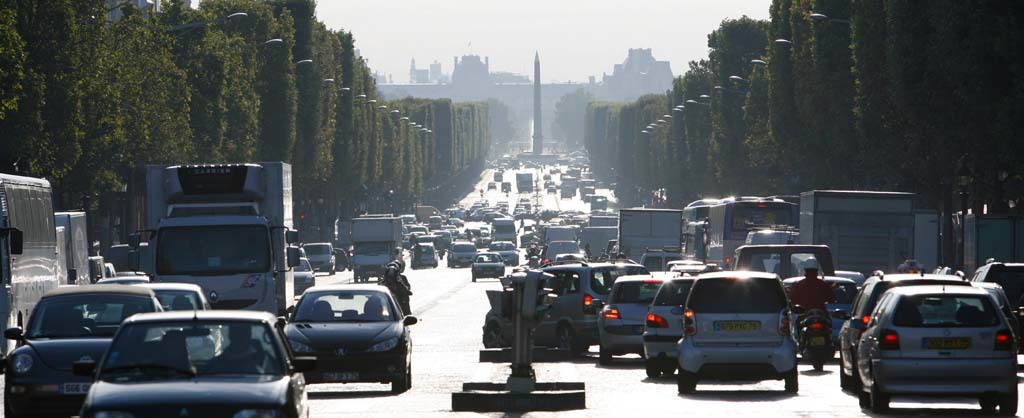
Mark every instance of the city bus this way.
pixel 730 221
pixel 28 246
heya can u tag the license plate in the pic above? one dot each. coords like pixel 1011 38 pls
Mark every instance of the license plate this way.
pixel 817 341
pixel 737 326
pixel 74 388
pixel 947 343
pixel 341 376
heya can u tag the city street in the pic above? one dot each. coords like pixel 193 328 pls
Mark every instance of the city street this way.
pixel 447 340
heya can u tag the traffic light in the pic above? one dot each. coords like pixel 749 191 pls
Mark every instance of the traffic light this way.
pixel 537 299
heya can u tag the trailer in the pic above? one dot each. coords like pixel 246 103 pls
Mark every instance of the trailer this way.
pixel 76 246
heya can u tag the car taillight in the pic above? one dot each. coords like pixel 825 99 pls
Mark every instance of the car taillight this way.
pixel 1004 340
pixel 655 321
pixel 784 328
pixel 889 340
pixel 688 322
pixel 865 319
pixel 588 304
pixel 610 312
pixel 545 261
pixel 728 260
pixel 817 326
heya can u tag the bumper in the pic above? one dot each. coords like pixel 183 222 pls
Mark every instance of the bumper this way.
pixel 745 362
pixel 945 376
pixel 489 273
pixel 661 345
pixel 42 399
pixel 625 338
pixel 457 262
pixel 368 368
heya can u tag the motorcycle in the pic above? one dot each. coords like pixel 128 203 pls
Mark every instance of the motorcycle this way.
pixel 534 262
pixel 816 338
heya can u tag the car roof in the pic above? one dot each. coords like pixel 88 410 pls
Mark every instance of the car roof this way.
pixel 937 289
pixel 172 286
pixel 828 279
pixel 911 276
pixel 487 253
pixel 637 278
pixel 337 287
pixel 212 315
pixel 739 275
pixel 99 289
pixel 316 243
pixel 578 265
pixel 782 246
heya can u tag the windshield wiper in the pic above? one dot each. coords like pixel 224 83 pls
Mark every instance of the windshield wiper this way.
pixel 150 366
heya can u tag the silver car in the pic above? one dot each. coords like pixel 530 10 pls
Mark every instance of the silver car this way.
pixel 304 278
pixel 488 264
pixel 736 326
pixel 508 251
pixel 620 326
pixel 321 256
pixel 462 254
pixel 938 341
pixel 664 326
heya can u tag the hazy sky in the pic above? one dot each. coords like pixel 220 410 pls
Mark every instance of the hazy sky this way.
pixel 575 38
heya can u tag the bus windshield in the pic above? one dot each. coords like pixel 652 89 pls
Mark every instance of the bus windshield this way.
pixel 213 250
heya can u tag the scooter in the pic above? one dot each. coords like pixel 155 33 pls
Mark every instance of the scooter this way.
pixel 816 338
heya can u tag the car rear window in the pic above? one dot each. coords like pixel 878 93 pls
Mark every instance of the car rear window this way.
pixel 653 263
pixel 728 295
pixel 602 279
pixel 845 292
pixel 881 286
pixel 317 249
pixel 636 292
pixel 464 248
pixel 945 311
pixel 673 293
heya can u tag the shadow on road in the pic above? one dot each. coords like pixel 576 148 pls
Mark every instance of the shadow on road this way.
pixel 350 394
pixel 740 395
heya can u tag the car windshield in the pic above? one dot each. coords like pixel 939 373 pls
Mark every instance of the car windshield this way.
pixel 602 278
pixel 84 316
pixel 739 295
pixel 371 248
pixel 178 300
pixel 488 258
pixel 161 350
pixel 317 249
pixel 636 292
pixel 673 293
pixel 464 248
pixel 345 306
pixel 945 311
pixel 213 250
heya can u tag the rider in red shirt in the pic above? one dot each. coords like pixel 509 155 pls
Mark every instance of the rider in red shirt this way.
pixel 812 292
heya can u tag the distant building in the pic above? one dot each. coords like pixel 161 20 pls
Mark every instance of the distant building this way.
pixel 640 74
pixel 437 74
pixel 505 77
pixel 418 76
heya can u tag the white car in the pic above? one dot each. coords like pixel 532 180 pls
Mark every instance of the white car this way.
pixel 663 326
pixel 938 341
pixel 620 326
pixel 321 256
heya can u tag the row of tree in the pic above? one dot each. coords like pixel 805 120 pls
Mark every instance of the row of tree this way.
pixel 869 94
pixel 87 102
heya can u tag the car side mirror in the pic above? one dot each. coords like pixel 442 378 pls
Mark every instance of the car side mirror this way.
pixel 291 236
pixel 293 256
pixel 83 367
pixel 304 364
pixel 798 310
pixel 840 314
pixel 16 334
pixel 15 240
pixel 410 320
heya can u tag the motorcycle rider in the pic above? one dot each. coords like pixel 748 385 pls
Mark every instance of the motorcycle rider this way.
pixel 398 284
pixel 812 292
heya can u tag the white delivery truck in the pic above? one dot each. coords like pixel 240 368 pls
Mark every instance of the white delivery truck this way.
pixel 226 228
pixel 642 229
pixel 596 239
pixel 374 240
pixel 504 230
pixel 76 246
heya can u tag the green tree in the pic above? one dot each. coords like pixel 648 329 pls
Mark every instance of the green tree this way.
pixel 569 114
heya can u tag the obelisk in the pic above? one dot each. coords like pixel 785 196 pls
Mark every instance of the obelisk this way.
pixel 538 132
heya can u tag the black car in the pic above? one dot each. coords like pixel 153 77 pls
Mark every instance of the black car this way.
pixel 198 364
pixel 358 334
pixel 67 325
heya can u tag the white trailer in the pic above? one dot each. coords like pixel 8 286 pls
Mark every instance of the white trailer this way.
pixel 76 246
pixel 374 240
pixel 641 229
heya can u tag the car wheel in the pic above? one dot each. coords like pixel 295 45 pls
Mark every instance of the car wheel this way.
pixel 845 382
pixel 669 369
pixel 474 278
pixel 332 270
pixel 988 403
pixel 1008 403
pixel 792 381
pixel 402 384
pixel 687 382
pixel 567 340
pixel 604 357
pixel 879 400
pixel 652 368
pixel 863 399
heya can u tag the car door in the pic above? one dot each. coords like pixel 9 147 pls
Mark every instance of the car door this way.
pixel 850 334
pixel 565 285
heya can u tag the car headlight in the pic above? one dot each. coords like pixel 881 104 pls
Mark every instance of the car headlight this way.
pixel 300 347
pixel 113 414
pixel 257 413
pixel 386 345
pixel 22 363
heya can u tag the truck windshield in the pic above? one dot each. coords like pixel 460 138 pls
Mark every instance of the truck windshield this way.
pixel 317 249
pixel 213 250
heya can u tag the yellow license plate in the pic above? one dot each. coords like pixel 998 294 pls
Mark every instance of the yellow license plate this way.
pixel 947 343
pixel 817 340
pixel 737 326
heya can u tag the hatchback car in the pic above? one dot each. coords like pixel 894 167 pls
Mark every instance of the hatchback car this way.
pixel 357 333
pixel 621 323
pixel 424 255
pixel 179 296
pixel 198 364
pixel 68 324
pixel 488 264
pixel 736 326
pixel 663 326
pixel 321 256
pixel 860 315
pixel 508 251
pixel 938 341
pixel 1011 277
pixel 462 254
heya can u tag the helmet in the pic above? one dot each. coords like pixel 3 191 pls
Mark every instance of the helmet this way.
pixel 810 264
